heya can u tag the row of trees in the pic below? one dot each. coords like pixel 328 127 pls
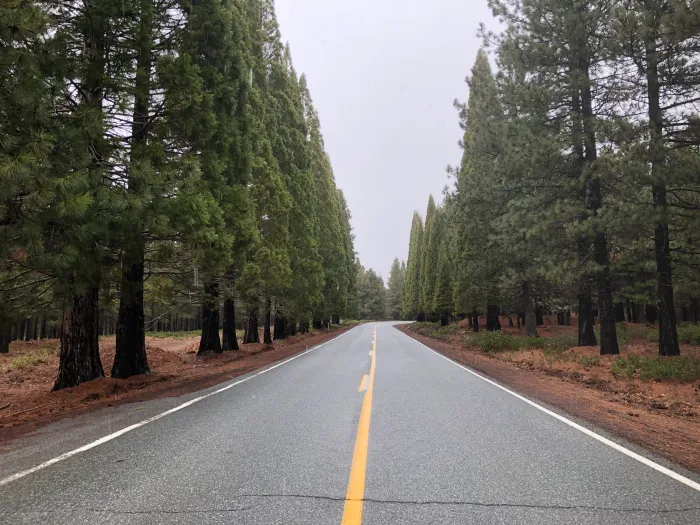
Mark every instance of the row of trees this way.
pixel 578 186
pixel 162 151
pixel 374 300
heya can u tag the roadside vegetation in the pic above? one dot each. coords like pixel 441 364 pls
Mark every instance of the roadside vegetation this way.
pixel 577 191
pixel 173 184
pixel 636 359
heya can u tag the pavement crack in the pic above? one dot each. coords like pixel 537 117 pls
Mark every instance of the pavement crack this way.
pixel 475 504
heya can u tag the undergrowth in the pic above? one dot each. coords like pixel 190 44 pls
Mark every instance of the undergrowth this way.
pixel 38 356
pixel 683 369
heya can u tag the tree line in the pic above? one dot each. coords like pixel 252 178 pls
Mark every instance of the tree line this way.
pixel 578 185
pixel 161 160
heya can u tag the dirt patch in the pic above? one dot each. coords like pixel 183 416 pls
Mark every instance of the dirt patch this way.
pixel 663 417
pixel 28 372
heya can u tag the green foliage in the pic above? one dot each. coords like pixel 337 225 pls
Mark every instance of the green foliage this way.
pixel 572 169
pixel 589 361
pixel 371 294
pixel 397 279
pixel 412 289
pixel 682 369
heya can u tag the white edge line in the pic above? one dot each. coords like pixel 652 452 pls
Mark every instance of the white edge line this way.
pixel 649 463
pixel 124 430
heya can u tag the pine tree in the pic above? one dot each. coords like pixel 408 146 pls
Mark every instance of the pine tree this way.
pixel 371 294
pixel 442 302
pixel 83 46
pixel 332 244
pixel 26 139
pixel 655 43
pixel 429 256
pixel 411 307
pixel 397 278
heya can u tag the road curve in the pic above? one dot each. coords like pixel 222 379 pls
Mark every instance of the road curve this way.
pixel 420 439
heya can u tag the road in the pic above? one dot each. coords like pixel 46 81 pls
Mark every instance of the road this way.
pixel 372 427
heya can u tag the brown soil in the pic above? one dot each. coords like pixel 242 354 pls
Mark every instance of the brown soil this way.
pixel 663 417
pixel 26 400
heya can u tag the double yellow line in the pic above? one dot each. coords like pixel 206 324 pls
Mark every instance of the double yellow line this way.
pixel 354 498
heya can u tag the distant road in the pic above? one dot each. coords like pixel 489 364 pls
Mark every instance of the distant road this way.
pixel 345 434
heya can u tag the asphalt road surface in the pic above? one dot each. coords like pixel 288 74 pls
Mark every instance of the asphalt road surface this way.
pixel 370 428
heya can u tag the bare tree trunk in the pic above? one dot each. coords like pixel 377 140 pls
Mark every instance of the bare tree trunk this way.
pixel 43 334
pixel 292 327
pixel 475 320
pixel 5 336
pixel 80 352
pixel 619 312
pixel 251 333
pixel 267 334
pixel 209 342
pixel 492 322
pixel 280 327
pixel 130 356
pixel 530 316
pixel 230 342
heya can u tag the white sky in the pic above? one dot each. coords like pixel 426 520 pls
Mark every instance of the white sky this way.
pixel 383 75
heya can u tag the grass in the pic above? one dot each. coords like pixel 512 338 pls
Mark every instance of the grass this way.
pixel 39 356
pixel 589 361
pixel 683 369
pixel 493 342
pixel 183 335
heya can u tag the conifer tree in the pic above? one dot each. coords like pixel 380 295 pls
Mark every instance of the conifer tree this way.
pixel 411 308
pixel 397 278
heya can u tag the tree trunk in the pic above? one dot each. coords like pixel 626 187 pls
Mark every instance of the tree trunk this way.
pixel 592 198
pixel 668 334
pixel 475 320
pixel 43 333
pixel 251 332
pixel 210 342
pixel 291 329
pixel 5 336
pixel 586 334
pixel 444 319
pixel 492 322
pixel 517 321
pixel 230 341
pixel 80 352
pixel 510 321
pixel 317 324
pixel 27 329
pixel 530 314
pixel 539 316
pixel 619 312
pixel 267 333
pixel 130 356
pixel 694 312
pixel 280 327
pixel 608 330
pixel 650 313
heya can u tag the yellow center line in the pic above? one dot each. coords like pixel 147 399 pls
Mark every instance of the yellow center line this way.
pixel 354 498
pixel 363 383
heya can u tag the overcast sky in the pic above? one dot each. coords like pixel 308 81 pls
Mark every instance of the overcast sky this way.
pixel 383 75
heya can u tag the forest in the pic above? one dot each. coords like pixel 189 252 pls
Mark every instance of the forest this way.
pixel 163 168
pixel 578 188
